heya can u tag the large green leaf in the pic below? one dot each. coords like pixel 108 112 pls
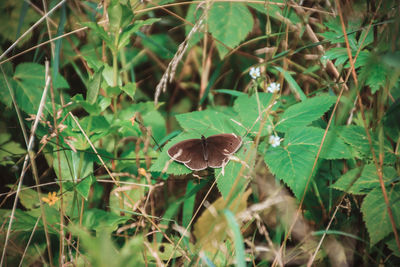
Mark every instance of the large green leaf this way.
pixel 361 180
pixel 229 23
pixel 74 165
pixel 208 122
pixel 375 213
pixel 249 109
pixel 30 83
pixel 357 138
pixel 292 162
pixel 302 114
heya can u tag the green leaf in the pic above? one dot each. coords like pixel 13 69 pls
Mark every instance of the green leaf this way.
pixel 229 92
pixel 224 25
pixel 375 213
pixel 100 32
pixel 95 108
pixel 9 149
pixel 375 73
pixel 304 113
pixel 30 80
pixel 101 251
pixel 5 96
pixel 83 187
pixel 360 181
pixel 293 84
pixel 95 219
pixel 115 16
pixel 292 162
pixel 208 122
pixel 157 123
pixel 94 86
pixel 249 109
pixel 74 165
pixel 129 89
pixel 275 11
pixel 188 205
pixel 237 237
pixel 392 245
pixel 333 147
pixel 128 31
pixel 232 171
pixel 29 198
pixel 357 138
pixel 160 44
pixel 390 120
pixel 193 15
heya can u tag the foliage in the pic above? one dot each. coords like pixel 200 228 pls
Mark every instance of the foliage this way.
pixel 314 94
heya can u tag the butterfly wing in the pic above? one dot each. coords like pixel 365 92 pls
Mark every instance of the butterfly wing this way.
pixel 190 153
pixel 220 147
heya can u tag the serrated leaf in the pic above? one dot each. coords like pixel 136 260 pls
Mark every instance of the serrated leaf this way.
pixel 360 180
pixel 374 72
pixel 293 160
pixel 249 108
pixel 357 138
pixel 224 25
pixel 304 113
pixel 30 81
pixel 375 213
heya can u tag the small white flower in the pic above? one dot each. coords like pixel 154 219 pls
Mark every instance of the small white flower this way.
pixel 274 140
pixel 255 72
pixel 274 87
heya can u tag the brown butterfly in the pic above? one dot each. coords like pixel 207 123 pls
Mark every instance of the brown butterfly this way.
pixel 213 151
